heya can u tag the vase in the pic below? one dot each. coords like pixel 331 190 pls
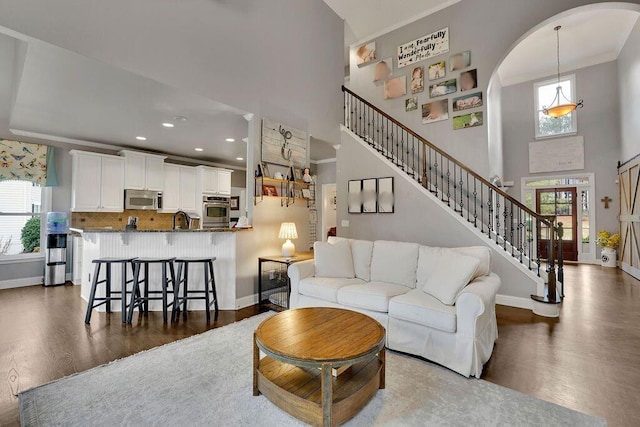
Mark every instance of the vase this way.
pixel 608 257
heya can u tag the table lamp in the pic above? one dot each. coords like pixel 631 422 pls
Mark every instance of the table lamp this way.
pixel 288 231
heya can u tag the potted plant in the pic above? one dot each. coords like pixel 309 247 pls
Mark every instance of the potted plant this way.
pixel 609 243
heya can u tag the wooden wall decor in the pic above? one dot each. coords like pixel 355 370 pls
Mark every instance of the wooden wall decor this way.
pixel 284 145
pixel 629 188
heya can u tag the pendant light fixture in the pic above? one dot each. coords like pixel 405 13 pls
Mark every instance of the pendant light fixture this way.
pixel 561 105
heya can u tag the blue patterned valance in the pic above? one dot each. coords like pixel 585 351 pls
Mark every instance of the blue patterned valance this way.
pixel 25 161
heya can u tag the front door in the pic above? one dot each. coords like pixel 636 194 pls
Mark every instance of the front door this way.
pixel 560 202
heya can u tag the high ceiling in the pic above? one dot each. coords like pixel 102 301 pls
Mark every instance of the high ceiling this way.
pixel 587 38
pixel 66 96
pixel 364 18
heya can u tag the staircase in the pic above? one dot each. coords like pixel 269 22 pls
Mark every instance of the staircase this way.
pixel 504 221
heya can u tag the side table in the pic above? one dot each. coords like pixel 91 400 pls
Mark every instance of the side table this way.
pixel 273 296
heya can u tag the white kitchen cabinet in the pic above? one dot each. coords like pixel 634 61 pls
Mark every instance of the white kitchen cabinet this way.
pixel 188 200
pixel 179 189
pixel 97 183
pixel 214 180
pixel 224 182
pixel 143 171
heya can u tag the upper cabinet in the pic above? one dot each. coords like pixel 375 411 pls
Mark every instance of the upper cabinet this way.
pixel 97 182
pixel 143 171
pixel 179 189
pixel 214 181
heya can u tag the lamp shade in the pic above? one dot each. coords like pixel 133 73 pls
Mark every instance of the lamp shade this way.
pixel 288 231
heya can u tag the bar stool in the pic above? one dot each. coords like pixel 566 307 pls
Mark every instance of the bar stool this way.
pixel 142 298
pixel 121 294
pixel 188 294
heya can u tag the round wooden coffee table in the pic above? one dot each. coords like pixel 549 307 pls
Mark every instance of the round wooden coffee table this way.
pixel 320 364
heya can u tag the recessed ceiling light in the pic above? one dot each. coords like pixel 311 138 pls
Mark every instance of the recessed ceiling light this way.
pixel 230 140
pixel 167 125
pixel 199 149
pixel 141 138
pixel 239 158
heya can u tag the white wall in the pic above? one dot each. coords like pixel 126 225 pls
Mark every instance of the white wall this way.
pixel 597 123
pixel 629 94
pixel 489 28
pixel 417 218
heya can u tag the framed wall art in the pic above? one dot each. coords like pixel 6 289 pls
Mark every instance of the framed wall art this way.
pixel 369 195
pixel 382 70
pixel 465 102
pixel 395 88
pixel 443 88
pixel 437 70
pixel 386 202
pixel 460 60
pixel 468 80
pixel 354 196
pixel 365 53
pixel 467 121
pixel 284 145
pixel 435 111
pixel 417 80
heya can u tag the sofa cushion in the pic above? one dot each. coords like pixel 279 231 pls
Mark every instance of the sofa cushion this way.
pixel 482 253
pixel 361 251
pixel 453 273
pixel 395 262
pixel 325 288
pixel 372 296
pixel 333 260
pixel 424 309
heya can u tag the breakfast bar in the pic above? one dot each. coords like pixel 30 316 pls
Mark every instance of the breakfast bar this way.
pixel 220 244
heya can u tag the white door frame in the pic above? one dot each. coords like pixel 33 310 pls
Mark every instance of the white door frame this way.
pixel 588 258
pixel 326 208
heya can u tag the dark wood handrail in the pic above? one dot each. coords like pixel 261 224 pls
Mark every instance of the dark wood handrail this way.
pixel 545 218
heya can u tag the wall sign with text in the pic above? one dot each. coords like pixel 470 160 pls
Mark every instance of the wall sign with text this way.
pixel 423 48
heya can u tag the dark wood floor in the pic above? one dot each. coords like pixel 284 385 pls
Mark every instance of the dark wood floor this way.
pixel 589 360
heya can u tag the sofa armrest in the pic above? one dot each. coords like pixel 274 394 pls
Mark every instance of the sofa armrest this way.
pixel 475 305
pixel 298 271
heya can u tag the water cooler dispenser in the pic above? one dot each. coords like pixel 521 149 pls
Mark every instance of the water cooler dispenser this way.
pixel 55 269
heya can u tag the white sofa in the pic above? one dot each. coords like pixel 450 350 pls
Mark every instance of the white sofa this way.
pixel 395 283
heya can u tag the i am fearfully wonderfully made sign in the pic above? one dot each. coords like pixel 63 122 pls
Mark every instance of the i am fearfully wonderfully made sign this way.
pixel 423 48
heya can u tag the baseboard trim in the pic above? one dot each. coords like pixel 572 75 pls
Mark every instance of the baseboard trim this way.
pixel 512 301
pixel 19 283
pixel 247 301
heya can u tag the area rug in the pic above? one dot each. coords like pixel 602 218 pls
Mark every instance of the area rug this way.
pixel 207 380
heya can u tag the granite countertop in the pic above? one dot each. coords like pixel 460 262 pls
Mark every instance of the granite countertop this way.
pixel 76 230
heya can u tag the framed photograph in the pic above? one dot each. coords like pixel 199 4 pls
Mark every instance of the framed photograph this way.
pixel 460 60
pixel 437 70
pixel 269 190
pixel 467 121
pixel 385 195
pixel 467 101
pixel 265 170
pixel 369 195
pixel 443 88
pixel 298 174
pixel 411 104
pixel 234 203
pixel 435 111
pixel 354 197
pixel 365 53
pixel 297 194
pixel 306 193
pixel 417 80
pixel 468 80
pixel 382 70
pixel 395 88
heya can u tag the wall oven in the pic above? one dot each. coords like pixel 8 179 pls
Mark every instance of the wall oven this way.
pixel 215 212
pixel 142 199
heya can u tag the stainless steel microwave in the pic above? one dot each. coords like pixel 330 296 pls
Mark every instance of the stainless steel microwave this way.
pixel 142 200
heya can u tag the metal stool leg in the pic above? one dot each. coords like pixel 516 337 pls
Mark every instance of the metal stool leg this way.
pixel 146 289
pixel 176 295
pixel 108 286
pixel 92 295
pixel 123 294
pixel 185 290
pixel 206 291
pixel 164 292
pixel 213 287
pixel 135 293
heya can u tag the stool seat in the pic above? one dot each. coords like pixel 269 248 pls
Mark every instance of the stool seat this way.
pixel 195 259
pixel 108 259
pixel 152 260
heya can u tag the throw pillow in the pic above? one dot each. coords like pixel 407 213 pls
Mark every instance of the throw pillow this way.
pixel 361 251
pixel 453 273
pixel 333 260
pixel 394 262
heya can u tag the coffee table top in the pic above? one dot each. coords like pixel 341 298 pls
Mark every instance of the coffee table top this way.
pixel 316 335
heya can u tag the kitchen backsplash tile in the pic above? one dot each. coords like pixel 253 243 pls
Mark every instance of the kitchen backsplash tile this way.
pixel 147 220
